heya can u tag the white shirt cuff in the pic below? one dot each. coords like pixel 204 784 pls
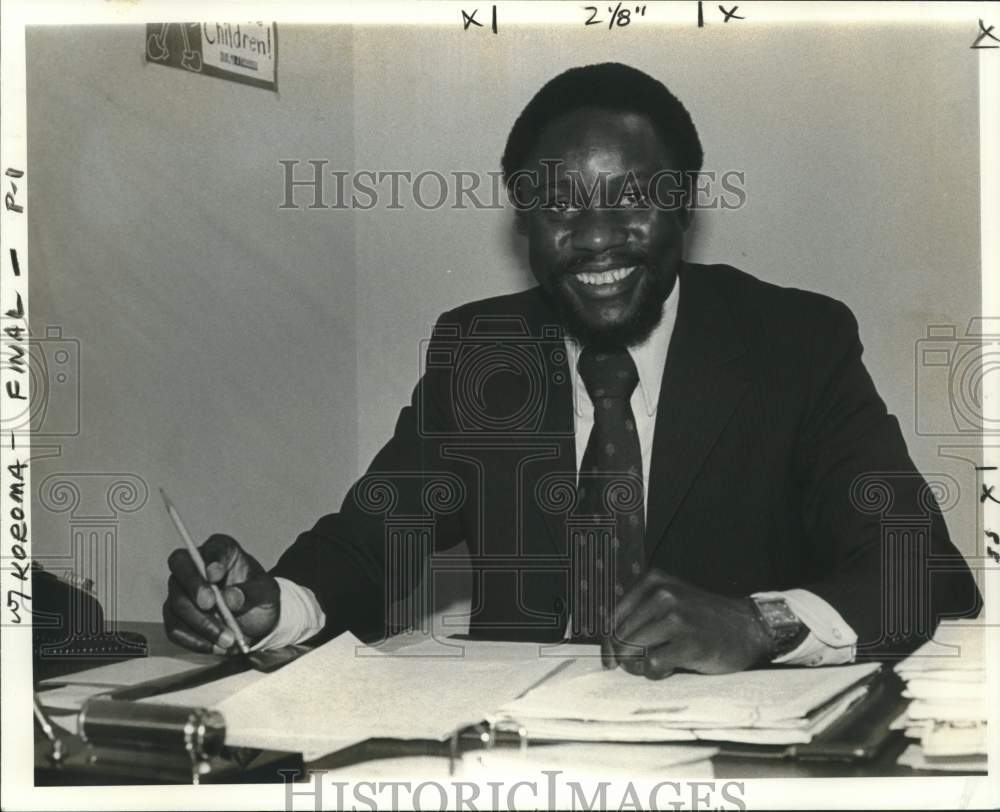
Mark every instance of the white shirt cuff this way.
pixel 299 617
pixel 830 641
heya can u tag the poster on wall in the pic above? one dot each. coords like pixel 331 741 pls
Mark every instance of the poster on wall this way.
pixel 244 52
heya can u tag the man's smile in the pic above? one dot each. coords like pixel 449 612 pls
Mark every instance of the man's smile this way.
pixel 607 260
pixel 603 284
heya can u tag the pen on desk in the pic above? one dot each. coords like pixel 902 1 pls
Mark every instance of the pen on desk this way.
pixel 199 562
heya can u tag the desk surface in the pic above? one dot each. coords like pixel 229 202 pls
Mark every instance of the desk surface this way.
pixel 724 766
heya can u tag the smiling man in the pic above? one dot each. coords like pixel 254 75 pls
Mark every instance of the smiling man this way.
pixel 681 462
pixel 604 255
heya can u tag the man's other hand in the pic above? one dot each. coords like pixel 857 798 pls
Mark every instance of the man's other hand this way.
pixel 190 614
pixel 663 624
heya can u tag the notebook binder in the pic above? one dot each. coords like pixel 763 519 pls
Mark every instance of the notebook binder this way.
pixel 121 741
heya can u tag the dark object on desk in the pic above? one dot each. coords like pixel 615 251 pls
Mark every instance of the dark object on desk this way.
pixel 273 659
pixel 861 734
pixel 225 667
pixel 68 631
pixel 121 743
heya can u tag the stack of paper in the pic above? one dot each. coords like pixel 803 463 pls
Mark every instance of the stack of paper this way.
pixel 946 681
pixel 345 692
pixel 773 706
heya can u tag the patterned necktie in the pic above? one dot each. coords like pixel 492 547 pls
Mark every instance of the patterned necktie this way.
pixel 609 521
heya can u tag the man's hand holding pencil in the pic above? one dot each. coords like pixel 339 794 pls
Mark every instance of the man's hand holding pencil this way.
pixel 220 599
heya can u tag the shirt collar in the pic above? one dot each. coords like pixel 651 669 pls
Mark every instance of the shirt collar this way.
pixel 650 357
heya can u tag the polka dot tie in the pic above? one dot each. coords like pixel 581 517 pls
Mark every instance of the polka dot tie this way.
pixel 609 519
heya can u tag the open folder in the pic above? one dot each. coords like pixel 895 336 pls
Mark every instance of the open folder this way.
pixel 345 692
pixel 773 706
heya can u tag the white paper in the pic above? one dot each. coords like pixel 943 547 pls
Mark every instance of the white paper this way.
pixel 788 731
pixel 70 697
pixel 952 710
pixel 344 692
pixel 957 646
pixel 914 757
pixel 730 700
pixel 802 732
pixel 945 690
pixel 210 694
pixel 954 739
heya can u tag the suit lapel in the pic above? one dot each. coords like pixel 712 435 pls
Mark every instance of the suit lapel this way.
pixel 705 376
pixel 548 454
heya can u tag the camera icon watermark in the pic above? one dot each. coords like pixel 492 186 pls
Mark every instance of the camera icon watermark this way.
pixel 952 373
pixel 496 376
pixel 51 403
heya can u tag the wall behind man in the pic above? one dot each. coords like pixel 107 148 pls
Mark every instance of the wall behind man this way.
pixel 253 360
pixel 216 333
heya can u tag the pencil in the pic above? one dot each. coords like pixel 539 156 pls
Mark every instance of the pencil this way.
pixel 199 562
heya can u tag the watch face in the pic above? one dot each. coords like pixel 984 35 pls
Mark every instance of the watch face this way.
pixel 776 613
pixel 785 627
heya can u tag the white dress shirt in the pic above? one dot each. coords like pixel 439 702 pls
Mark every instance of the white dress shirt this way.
pixel 830 641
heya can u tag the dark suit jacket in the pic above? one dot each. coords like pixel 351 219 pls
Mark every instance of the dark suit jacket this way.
pixel 775 465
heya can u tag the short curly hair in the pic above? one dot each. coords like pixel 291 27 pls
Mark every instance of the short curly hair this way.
pixel 611 86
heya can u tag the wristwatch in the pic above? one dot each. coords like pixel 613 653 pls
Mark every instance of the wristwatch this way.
pixel 782 624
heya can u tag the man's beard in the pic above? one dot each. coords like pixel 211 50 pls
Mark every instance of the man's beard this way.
pixel 632 330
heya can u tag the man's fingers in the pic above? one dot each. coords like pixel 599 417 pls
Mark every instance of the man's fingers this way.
pixel 262 590
pixel 656 604
pixel 186 574
pixel 235 599
pixel 205 625
pixel 634 665
pixel 664 660
pixel 660 662
pixel 188 612
pixel 656 633
pixel 180 634
pixel 653 579
pixel 221 554
pixel 626 604
pixel 182 637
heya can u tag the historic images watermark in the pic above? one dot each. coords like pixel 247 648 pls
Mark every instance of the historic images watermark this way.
pixel 954 367
pixel 314 184
pixel 48 407
pixel 530 789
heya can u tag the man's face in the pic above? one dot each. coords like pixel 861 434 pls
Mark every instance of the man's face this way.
pixel 607 263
